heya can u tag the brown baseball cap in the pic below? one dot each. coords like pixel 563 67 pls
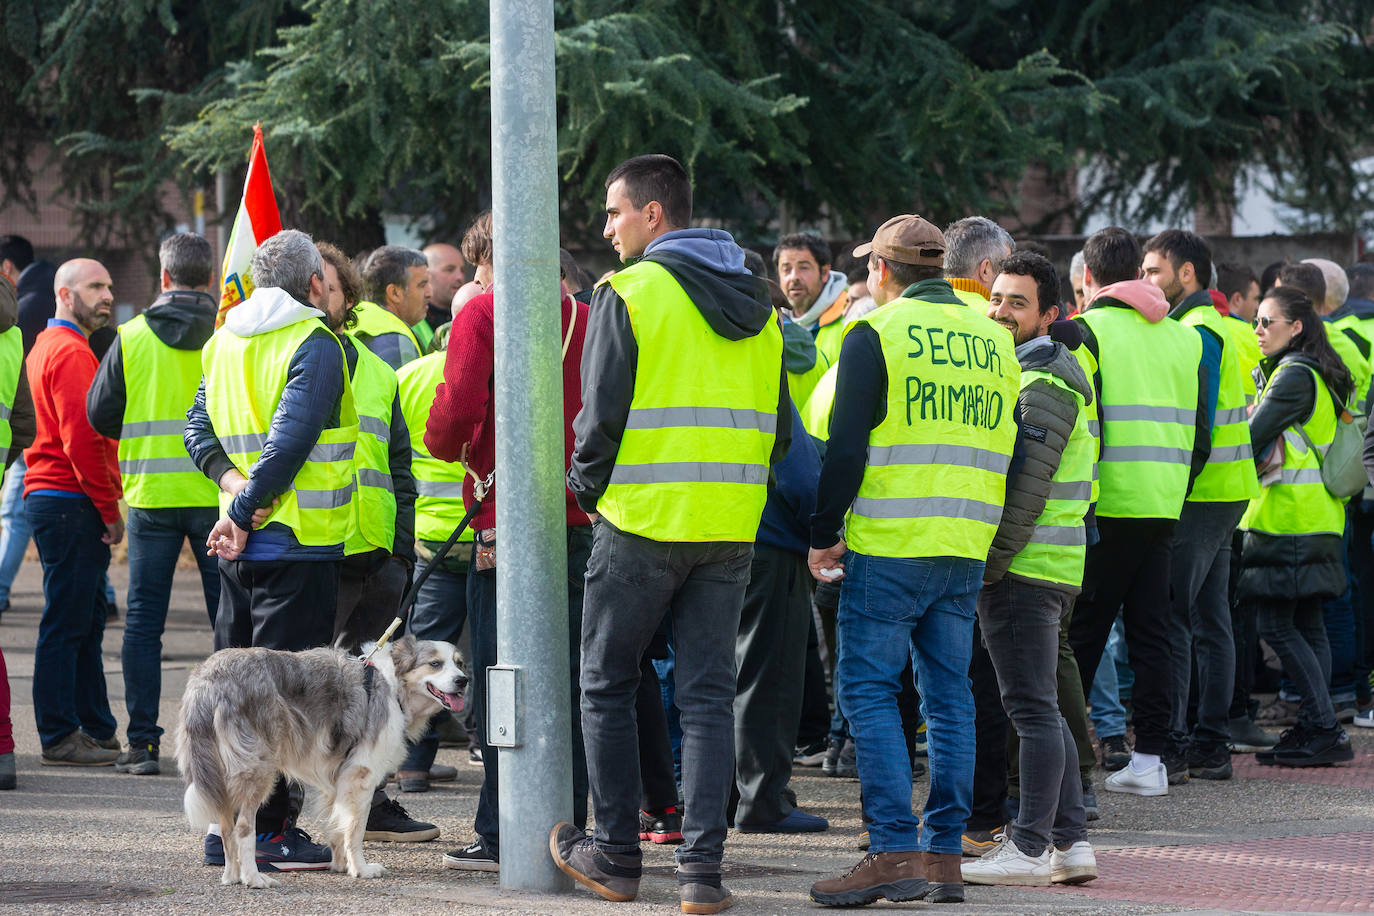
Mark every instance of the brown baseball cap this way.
pixel 907 239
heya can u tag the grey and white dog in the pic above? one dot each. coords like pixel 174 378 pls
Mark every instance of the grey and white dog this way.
pixel 316 716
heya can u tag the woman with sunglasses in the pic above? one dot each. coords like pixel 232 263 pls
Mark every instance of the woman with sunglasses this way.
pixel 1292 549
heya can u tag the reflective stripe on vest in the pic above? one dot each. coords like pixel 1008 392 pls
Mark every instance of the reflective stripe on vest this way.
pixel 244 381
pixel 1058 543
pixel 693 462
pixel 375 320
pixel 374 391
pixel 1298 503
pixel 160 385
pixel 941 453
pixel 438 484
pixel 11 364
pixel 1229 475
pixel 1149 379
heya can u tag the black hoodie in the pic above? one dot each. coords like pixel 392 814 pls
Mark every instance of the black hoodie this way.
pixel 182 319
pixel 734 303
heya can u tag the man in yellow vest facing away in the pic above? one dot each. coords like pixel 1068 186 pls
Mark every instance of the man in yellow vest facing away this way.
pixel 1153 379
pixel 910 495
pixel 140 396
pixel 974 257
pixel 1179 263
pixel 684 407
pixel 275 424
pixel 396 282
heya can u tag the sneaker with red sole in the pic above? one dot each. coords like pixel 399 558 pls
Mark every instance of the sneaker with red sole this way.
pixel 663 826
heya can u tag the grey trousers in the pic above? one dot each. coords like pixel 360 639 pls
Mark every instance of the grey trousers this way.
pixel 770 658
pixel 631 583
pixel 1020 626
pixel 1296 630
pixel 1200 622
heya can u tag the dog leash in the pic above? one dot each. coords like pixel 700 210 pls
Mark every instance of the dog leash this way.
pixel 480 489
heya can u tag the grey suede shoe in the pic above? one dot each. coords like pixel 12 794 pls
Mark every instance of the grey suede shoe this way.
pixel 614 876
pixel 700 888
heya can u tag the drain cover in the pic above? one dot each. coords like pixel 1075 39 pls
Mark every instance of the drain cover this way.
pixel 70 891
pixel 738 870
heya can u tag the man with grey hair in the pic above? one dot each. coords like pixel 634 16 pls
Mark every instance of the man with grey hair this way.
pixel 973 257
pixel 1076 280
pixel 145 384
pixel 275 426
pixel 1337 286
pixel 396 281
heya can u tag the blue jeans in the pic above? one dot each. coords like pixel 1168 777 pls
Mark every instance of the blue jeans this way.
pixel 155 539
pixel 14 539
pixel 440 611
pixel 69 677
pixel 1108 713
pixel 890 610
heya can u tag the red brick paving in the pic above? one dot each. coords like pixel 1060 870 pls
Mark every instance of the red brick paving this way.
pixel 1327 874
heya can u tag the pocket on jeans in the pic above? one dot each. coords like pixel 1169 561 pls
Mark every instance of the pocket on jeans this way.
pixel 636 564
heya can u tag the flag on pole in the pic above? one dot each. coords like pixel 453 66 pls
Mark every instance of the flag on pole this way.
pixel 256 221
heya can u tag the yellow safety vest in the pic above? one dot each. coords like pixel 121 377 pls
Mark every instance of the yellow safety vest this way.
pixel 374 321
pixel 160 385
pixel 438 484
pixel 1246 345
pixel 1148 373
pixel 937 463
pixel 244 381
pixel 1058 545
pixel 1229 475
pixel 1353 346
pixel 1299 503
pixel 693 462
pixel 11 364
pixel 374 391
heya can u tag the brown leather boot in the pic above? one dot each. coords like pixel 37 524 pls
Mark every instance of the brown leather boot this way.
pixel 896 876
pixel 946 881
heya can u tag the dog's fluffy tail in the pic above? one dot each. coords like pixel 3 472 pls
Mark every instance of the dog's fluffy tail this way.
pixel 199 760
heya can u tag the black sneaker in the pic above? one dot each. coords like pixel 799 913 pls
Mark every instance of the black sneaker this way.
pixel 1322 747
pixel 1176 765
pixel 810 755
pixel 663 826
pixel 475 756
pixel 1090 811
pixel 138 761
pixel 290 850
pixel 475 857
pixel 388 822
pixel 1291 738
pixel 1209 763
pixel 1115 753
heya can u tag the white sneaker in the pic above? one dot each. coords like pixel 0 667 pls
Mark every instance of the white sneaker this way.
pixel 1075 865
pixel 1009 865
pixel 1365 719
pixel 1154 781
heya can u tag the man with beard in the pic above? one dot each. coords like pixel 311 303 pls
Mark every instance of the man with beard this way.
pixel 72 493
pixel 818 295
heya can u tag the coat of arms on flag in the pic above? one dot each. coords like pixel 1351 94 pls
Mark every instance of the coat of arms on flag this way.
pixel 257 220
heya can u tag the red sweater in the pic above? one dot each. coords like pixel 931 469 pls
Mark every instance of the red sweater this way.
pixel 464 409
pixel 67 454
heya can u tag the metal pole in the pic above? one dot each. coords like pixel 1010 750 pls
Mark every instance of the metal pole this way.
pixel 531 574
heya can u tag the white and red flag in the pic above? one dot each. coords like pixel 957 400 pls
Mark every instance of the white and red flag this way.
pixel 257 221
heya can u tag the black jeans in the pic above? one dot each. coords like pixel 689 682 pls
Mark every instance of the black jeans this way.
pixel 281 604
pixel 1200 622
pixel 1020 628
pixel 1296 631
pixel 632 582
pixel 655 747
pixel 482 623
pixel 1128 569
pixel 371 586
pixel 770 661
pixel 991 727
pixel 68 674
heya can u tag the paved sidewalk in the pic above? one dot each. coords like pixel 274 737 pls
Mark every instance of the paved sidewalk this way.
pixel 1268 840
